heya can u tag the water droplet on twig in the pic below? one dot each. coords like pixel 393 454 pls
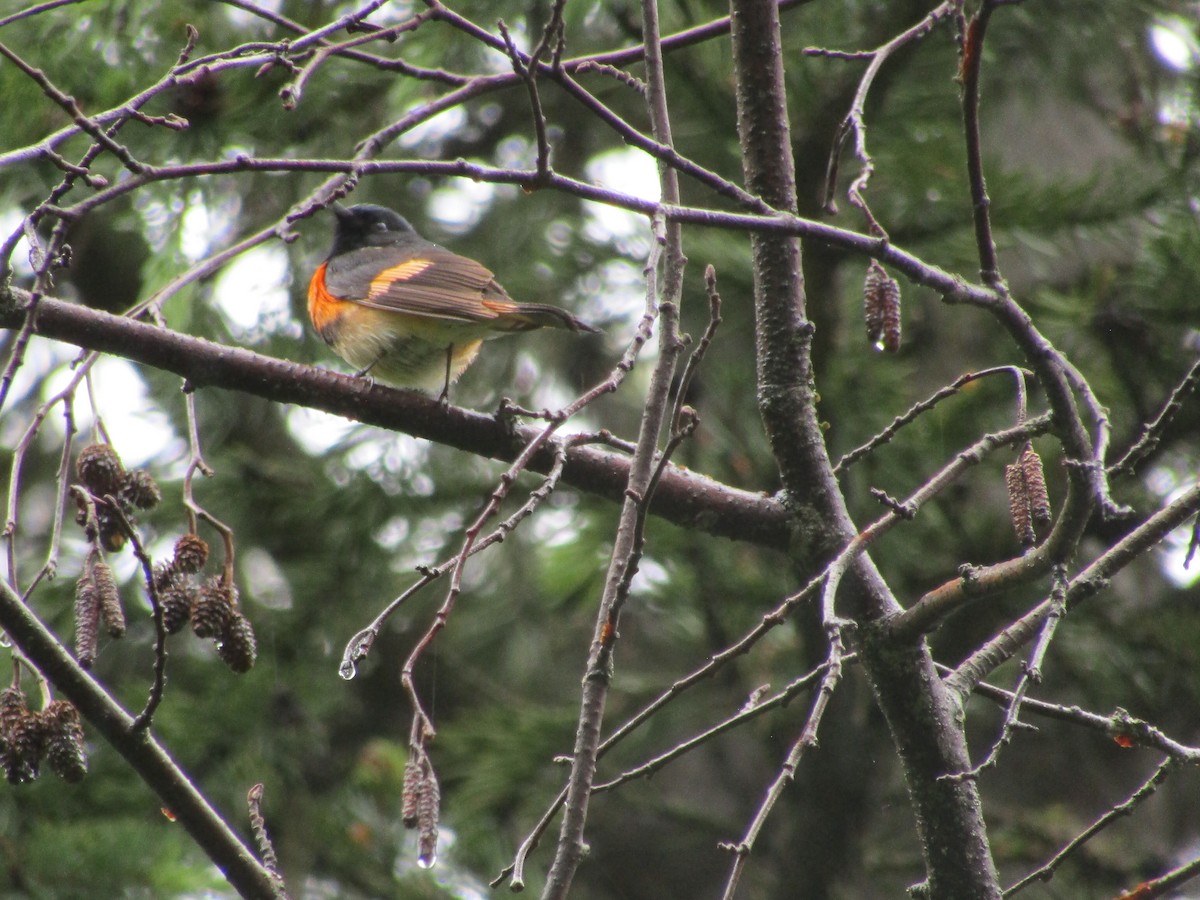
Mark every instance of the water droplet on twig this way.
pixel 356 651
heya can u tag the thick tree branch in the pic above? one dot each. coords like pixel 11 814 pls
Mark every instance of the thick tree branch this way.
pixel 922 715
pixel 682 497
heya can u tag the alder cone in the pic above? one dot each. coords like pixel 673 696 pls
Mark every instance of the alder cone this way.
pixel 237 646
pixel 140 490
pixel 99 469
pixel 26 744
pixel 65 751
pixel 87 620
pixel 212 609
pixel 191 553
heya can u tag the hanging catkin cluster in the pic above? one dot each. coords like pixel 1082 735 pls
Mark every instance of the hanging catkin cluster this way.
pixel 106 507
pixel 1028 499
pixel 420 801
pixel 110 497
pixel 96 599
pixel 881 308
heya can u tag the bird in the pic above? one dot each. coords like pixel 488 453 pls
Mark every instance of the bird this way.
pixel 408 312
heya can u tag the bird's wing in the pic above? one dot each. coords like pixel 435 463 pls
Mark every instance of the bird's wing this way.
pixel 430 282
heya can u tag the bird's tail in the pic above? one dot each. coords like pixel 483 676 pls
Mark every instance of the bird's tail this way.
pixel 527 316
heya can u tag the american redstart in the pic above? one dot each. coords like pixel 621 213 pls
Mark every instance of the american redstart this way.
pixel 404 310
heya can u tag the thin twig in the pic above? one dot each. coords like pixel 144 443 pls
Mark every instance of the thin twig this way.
pixel 1119 726
pixel 194 510
pixel 291 93
pixel 1164 885
pixel 16 358
pixel 807 739
pixel 37 10
pixel 751 710
pixel 629 537
pixel 426 729
pixel 1031 674
pixel 696 357
pixel 927 404
pixel 359 647
pixel 68 103
pixel 1148 442
pixel 527 71
pixel 854 123
pixel 1097 474
pixel 12 505
pixel 1046 872
pixel 972 61
pixel 50 566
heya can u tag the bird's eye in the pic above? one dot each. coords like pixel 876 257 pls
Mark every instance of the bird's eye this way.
pixel 379 226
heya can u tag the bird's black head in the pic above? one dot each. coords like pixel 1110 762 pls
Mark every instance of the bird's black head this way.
pixel 368 226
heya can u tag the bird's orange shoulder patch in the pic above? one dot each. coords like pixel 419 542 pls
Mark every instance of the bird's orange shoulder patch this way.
pixel 404 271
pixel 323 307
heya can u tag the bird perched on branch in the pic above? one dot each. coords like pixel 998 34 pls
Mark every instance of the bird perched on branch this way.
pixel 408 312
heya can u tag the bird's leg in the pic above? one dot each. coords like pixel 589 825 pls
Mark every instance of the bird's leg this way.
pixel 365 371
pixel 444 396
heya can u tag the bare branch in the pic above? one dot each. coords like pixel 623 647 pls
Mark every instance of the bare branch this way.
pixel 1164 885
pixel 1148 442
pixel 806 740
pixel 972 61
pixel 1031 673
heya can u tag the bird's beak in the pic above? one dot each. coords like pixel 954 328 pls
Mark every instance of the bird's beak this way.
pixel 342 212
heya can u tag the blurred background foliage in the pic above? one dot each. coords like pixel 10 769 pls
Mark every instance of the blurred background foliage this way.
pixel 1091 130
